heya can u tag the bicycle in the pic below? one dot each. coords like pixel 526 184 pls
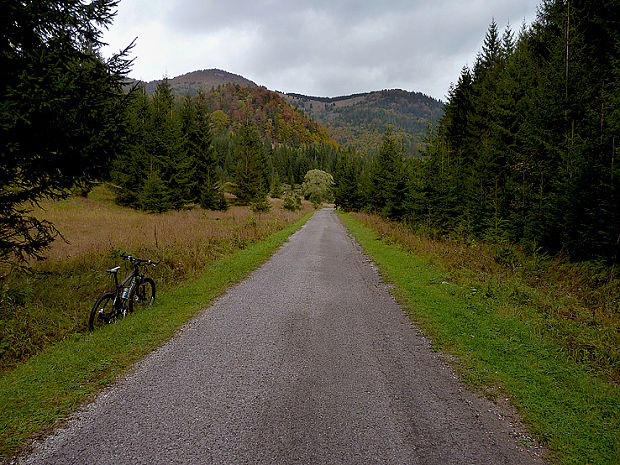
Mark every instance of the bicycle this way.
pixel 135 288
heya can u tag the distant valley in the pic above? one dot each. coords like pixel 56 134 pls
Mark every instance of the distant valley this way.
pixel 358 120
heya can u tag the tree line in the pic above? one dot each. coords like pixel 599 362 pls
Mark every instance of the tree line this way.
pixel 526 150
pixel 180 151
pixel 67 120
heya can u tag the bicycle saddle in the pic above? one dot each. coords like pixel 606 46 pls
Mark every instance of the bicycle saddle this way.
pixel 114 270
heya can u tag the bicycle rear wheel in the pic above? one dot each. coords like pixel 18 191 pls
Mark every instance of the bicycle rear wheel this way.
pixel 145 292
pixel 103 312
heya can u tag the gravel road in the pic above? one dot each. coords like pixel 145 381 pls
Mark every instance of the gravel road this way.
pixel 308 361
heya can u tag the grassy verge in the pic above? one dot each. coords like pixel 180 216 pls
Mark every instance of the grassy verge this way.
pixel 53 300
pixel 45 390
pixel 567 406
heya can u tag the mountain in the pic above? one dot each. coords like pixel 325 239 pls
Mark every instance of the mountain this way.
pixel 359 120
pixel 205 79
pixel 232 104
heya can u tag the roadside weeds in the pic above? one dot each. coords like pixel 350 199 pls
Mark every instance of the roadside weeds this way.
pixel 502 354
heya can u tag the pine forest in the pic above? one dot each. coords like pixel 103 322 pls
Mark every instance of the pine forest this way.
pixel 526 151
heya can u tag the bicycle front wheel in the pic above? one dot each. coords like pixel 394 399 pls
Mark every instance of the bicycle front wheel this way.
pixel 103 312
pixel 145 293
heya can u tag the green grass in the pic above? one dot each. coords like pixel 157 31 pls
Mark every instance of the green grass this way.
pixel 574 412
pixel 42 392
pixel 51 301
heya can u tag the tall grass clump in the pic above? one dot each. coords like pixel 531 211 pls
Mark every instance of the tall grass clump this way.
pixel 52 299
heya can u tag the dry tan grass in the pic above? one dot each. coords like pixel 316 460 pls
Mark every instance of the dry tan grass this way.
pixel 90 226
pixel 54 301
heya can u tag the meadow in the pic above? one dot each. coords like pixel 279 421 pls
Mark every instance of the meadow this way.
pixel 52 300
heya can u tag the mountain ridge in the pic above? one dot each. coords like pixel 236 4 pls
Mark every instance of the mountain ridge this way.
pixel 203 79
pixel 356 120
pixel 360 120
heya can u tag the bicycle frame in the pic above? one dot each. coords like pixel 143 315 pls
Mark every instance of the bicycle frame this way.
pixel 136 287
pixel 134 278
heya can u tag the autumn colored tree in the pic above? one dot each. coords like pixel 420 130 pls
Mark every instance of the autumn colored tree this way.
pixel 317 186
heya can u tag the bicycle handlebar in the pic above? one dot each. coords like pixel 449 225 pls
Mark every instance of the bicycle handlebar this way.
pixel 139 261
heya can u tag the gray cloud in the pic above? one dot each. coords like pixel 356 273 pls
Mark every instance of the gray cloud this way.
pixel 320 47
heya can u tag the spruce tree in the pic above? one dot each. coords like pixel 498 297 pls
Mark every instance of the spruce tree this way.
pixel 166 154
pixel 62 111
pixel 529 141
pixel 249 172
pixel 346 182
pixel 385 175
pixel 200 153
pixel 131 166
pixel 155 196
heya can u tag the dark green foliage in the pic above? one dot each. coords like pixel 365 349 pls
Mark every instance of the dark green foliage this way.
pixel 526 151
pixel 62 111
pixel 220 202
pixel 386 179
pixel 346 179
pixel 251 184
pixel 194 146
pixel 201 155
pixel 532 142
pixel 155 196
pixel 130 167
pixel 260 206
pixel 276 187
pixel 166 149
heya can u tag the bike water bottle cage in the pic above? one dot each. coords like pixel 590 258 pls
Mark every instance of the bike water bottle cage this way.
pixel 114 270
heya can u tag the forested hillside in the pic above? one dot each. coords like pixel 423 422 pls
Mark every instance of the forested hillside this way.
pixel 274 117
pixel 193 149
pixel 360 120
pixel 527 149
pixel 356 121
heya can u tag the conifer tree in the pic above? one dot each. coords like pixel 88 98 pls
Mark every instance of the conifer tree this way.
pixel 166 149
pixel 385 175
pixel 200 153
pixel 249 172
pixel 62 111
pixel 131 167
pixel 346 183
pixel 532 145
pixel 155 196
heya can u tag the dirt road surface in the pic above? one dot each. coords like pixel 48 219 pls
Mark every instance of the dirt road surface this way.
pixel 308 361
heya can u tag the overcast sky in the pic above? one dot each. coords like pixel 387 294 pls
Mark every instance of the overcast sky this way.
pixel 321 48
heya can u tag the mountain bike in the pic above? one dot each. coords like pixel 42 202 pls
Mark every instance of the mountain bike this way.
pixel 135 289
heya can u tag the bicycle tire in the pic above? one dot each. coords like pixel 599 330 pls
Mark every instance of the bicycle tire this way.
pixel 103 312
pixel 145 293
